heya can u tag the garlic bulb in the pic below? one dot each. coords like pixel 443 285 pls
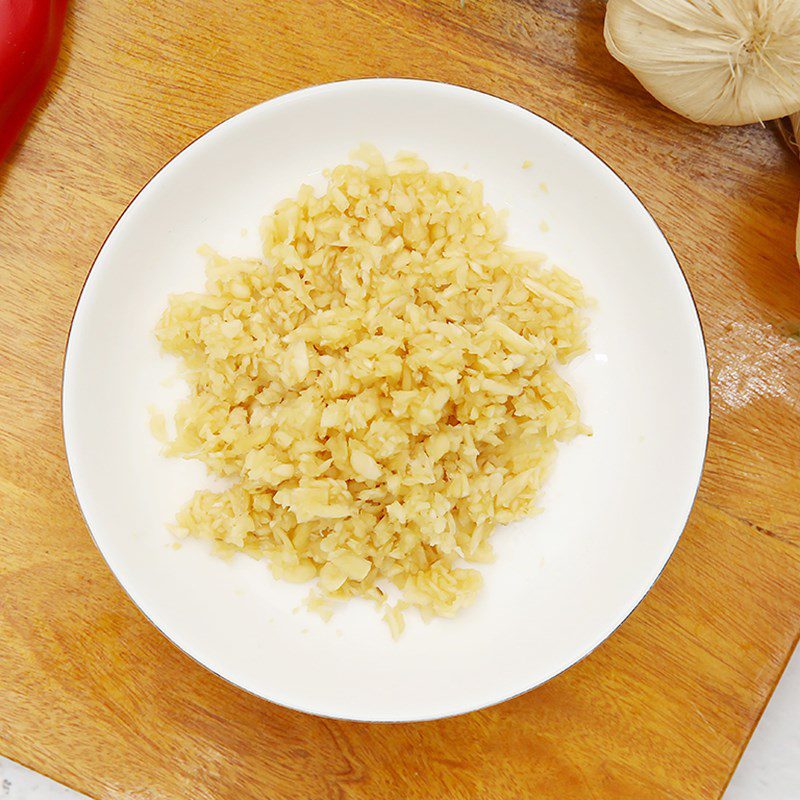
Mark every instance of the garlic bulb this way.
pixel 796 126
pixel 721 62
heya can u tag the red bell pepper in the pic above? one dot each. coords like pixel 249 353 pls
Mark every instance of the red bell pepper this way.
pixel 30 37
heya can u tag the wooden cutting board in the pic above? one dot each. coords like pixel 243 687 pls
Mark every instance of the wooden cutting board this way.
pixel 92 695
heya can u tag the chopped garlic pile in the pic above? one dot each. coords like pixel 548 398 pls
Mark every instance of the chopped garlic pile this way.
pixel 379 386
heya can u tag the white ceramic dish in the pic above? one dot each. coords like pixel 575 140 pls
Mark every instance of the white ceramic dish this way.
pixel 614 507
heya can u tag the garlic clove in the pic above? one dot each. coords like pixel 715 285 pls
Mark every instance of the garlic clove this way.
pixel 795 119
pixel 797 239
pixel 720 62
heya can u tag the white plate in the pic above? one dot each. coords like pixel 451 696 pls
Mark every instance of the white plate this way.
pixel 614 507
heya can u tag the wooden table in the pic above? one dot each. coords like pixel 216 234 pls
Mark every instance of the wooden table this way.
pixel 92 695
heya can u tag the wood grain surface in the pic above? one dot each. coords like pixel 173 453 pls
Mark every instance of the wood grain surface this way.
pixel 93 695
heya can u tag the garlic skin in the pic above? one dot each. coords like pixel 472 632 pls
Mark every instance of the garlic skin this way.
pixel 719 62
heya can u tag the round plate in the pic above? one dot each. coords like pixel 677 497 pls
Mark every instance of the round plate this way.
pixel 614 507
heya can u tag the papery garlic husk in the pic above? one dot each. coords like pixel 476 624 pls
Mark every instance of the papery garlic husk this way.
pixel 720 62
